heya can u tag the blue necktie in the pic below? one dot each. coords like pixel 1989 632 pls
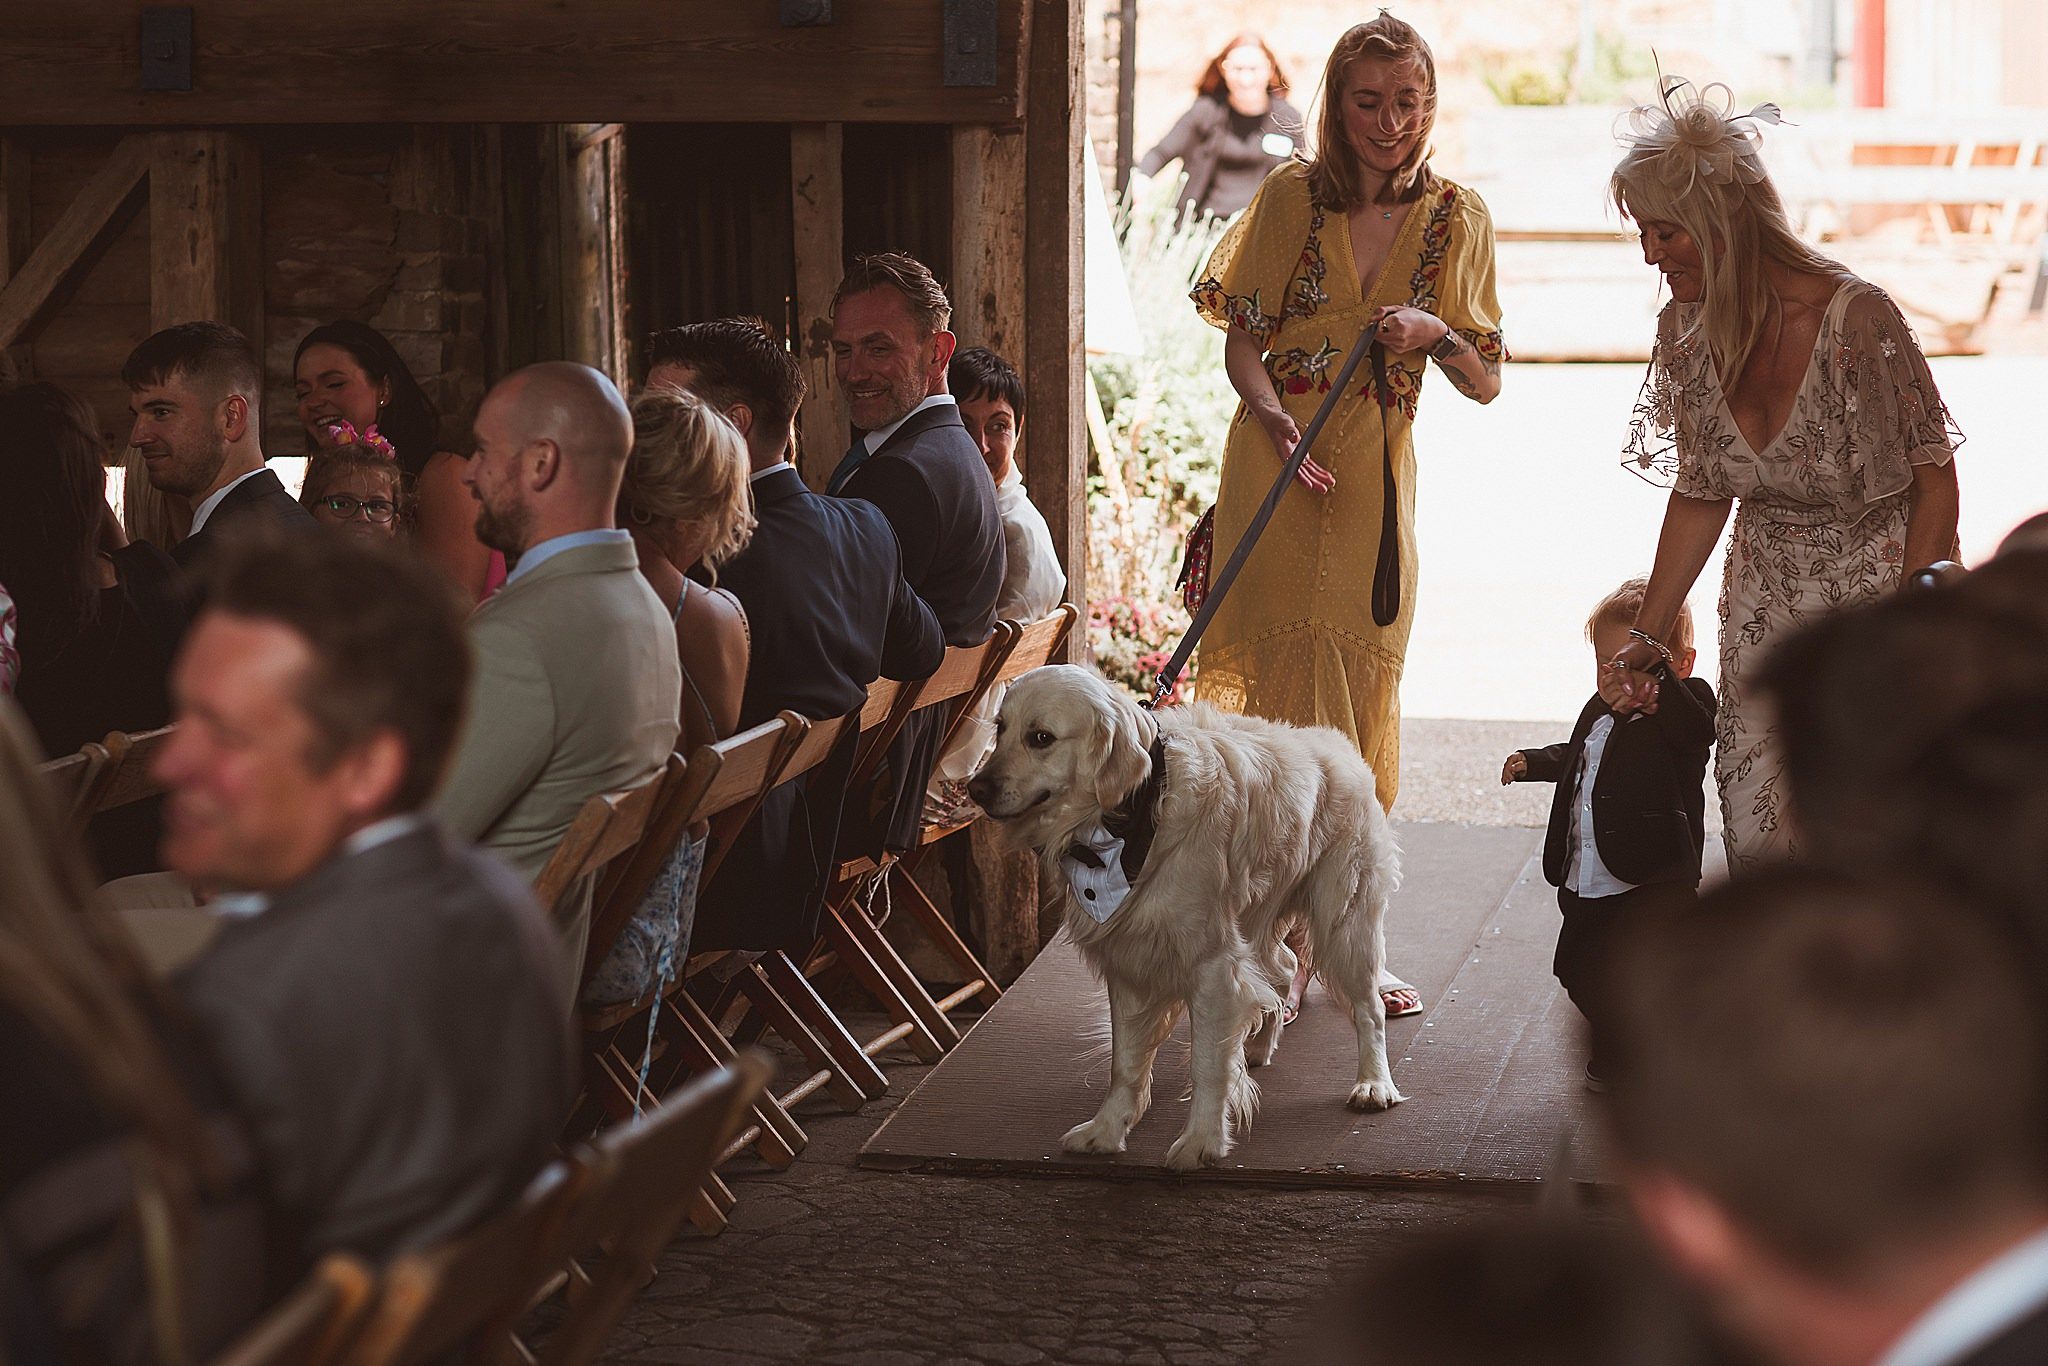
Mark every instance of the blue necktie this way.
pixel 847 465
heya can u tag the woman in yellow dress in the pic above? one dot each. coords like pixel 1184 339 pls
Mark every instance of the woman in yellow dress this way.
pixel 1364 232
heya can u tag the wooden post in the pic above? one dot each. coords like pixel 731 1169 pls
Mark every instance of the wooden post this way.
pixel 1055 434
pixel 989 194
pixel 88 220
pixel 593 250
pixel 817 184
pixel 206 231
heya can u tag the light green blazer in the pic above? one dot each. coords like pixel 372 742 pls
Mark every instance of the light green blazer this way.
pixel 575 692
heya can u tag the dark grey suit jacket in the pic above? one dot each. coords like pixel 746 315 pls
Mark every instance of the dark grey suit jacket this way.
pixel 257 503
pixel 394 1032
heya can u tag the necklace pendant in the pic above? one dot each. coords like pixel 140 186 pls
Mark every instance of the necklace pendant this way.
pixel 1386 213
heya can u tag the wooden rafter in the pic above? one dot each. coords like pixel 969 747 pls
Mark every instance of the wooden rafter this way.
pixel 72 237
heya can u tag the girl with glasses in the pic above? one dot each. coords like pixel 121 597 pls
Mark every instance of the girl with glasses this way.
pixel 356 486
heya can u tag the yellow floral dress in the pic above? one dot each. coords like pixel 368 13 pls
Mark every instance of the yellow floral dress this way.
pixel 1295 639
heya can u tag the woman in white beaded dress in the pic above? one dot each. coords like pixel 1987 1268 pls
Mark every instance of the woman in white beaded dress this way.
pixel 1786 388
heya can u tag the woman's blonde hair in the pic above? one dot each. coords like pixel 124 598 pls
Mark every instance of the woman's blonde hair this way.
pixel 1333 175
pixel 1691 161
pixel 68 973
pixel 689 465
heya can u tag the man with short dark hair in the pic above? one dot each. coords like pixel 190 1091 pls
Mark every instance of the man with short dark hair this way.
pixel 382 1001
pixel 1914 739
pixel 577 685
pixel 197 394
pixel 828 611
pixel 890 349
pixel 1829 1116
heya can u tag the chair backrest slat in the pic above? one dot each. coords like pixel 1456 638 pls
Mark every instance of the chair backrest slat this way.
pixel 1038 642
pixel 132 776
pixel 310 1326
pixel 470 1291
pixel 608 825
pixel 653 1169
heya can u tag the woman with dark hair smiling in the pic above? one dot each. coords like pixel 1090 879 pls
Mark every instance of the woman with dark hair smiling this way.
pixel 348 374
pixel 1238 129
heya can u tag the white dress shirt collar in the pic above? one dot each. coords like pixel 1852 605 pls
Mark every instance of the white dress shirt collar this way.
pixel 1987 1303
pixel 879 437
pixel 212 500
pixel 537 555
pixel 241 905
pixel 758 475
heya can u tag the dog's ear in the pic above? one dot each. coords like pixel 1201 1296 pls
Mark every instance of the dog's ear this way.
pixel 1125 735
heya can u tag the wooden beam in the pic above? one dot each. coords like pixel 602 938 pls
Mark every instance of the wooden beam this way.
pixel 511 61
pixel 1055 435
pixel 989 194
pixel 817 183
pixel 14 219
pixel 206 231
pixel 593 250
pixel 86 222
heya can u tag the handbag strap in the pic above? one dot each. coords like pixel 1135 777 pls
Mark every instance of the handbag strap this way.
pixel 1220 584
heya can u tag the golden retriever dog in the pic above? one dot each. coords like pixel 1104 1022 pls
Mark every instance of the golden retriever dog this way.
pixel 1256 826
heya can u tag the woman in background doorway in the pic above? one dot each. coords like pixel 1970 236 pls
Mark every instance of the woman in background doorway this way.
pixel 1238 129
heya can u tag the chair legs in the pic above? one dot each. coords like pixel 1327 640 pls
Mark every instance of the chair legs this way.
pixel 980 981
pixel 874 961
pixel 792 1007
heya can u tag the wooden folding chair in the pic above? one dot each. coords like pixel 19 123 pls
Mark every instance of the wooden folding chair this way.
pixel 851 938
pixel 461 1299
pixel 129 775
pixel 721 785
pixel 72 778
pixel 651 1171
pixel 1035 644
pixel 609 825
pixel 310 1326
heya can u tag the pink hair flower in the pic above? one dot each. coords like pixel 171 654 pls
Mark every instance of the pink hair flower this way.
pixel 345 434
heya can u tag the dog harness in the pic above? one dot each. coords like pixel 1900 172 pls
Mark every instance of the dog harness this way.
pixel 1107 858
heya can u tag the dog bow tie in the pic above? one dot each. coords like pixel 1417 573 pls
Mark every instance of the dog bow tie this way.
pixel 1094 867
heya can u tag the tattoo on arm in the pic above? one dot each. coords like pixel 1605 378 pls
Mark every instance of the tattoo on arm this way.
pixel 1458 379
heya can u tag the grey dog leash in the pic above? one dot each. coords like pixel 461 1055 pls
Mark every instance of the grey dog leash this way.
pixel 1386 586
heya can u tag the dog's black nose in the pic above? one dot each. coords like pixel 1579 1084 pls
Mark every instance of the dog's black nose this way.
pixel 981 789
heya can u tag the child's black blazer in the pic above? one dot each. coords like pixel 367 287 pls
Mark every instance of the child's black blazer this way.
pixel 1649 817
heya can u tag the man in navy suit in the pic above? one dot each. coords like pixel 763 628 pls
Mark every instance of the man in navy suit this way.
pixel 916 462
pixel 828 611
pixel 1828 1115
pixel 196 390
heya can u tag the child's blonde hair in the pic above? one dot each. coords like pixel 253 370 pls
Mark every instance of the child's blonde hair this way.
pixel 1625 602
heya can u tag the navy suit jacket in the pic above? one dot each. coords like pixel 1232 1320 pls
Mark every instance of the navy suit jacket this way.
pixel 256 503
pixel 931 482
pixel 1649 798
pixel 829 612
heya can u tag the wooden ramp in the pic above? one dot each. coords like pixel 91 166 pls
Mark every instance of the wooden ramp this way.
pixel 1491 1069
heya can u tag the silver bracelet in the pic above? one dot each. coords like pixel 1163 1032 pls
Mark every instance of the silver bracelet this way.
pixel 1663 650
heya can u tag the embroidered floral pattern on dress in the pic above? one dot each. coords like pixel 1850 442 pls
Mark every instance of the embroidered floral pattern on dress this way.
pixel 1491 346
pixel 1305 294
pixel 1243 311
pixel 1406 384
pixel 1436 237
pixel 1819 525
pixel 1298 370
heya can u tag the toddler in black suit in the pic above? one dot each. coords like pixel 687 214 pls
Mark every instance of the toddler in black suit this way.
pixel 1628 821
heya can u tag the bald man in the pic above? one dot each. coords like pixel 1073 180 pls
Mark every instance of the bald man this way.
pixel 576 683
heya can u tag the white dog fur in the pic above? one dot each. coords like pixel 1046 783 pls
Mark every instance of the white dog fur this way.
pixel 1259 825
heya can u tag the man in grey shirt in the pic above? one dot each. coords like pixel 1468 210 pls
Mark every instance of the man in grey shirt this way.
pixel 383 1003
